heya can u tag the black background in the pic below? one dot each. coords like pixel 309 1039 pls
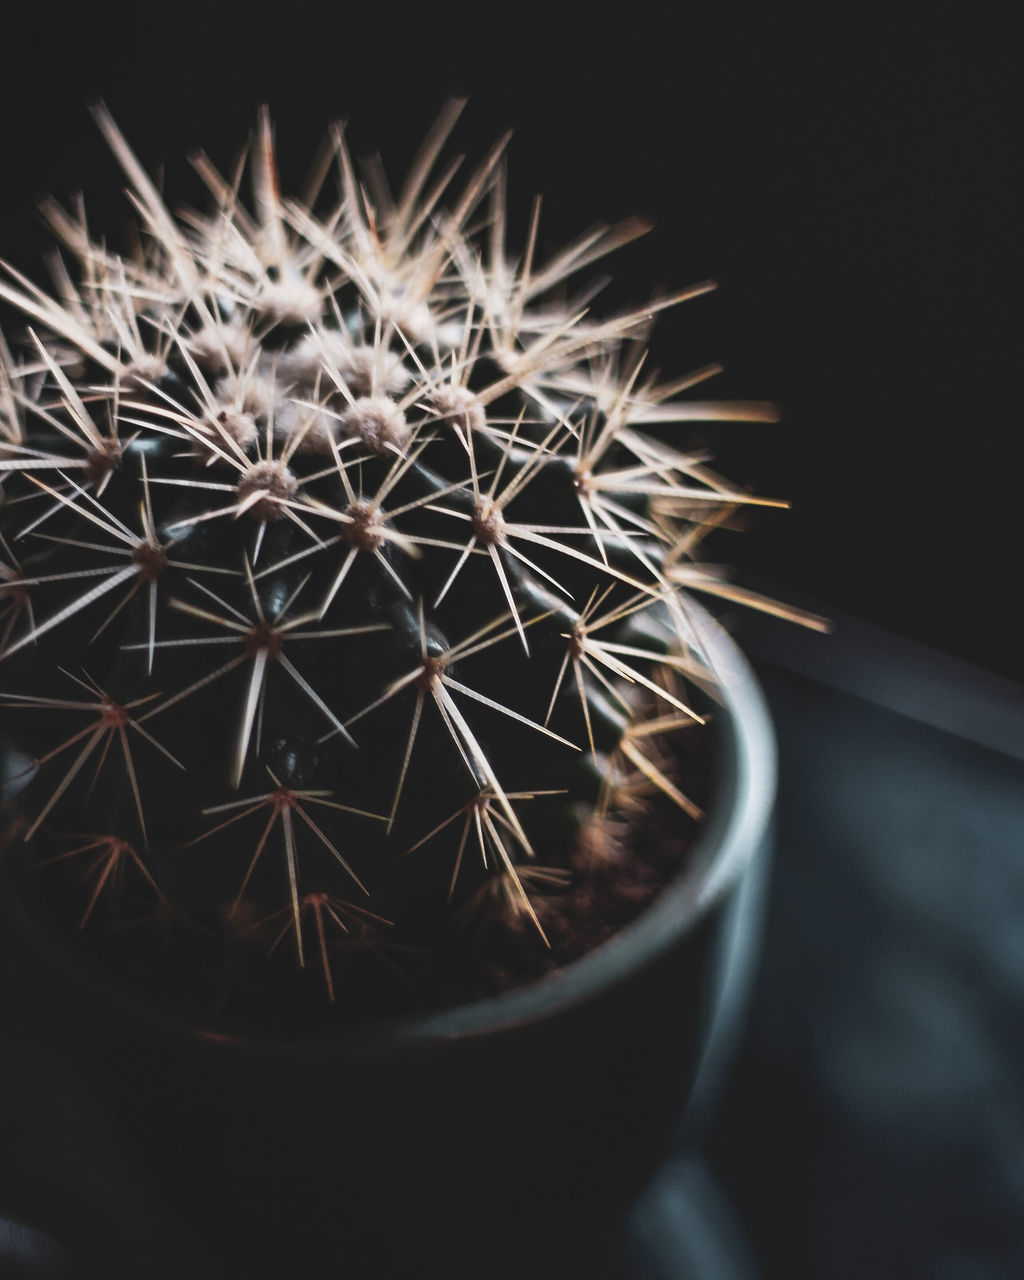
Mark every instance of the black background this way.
pixel 854 187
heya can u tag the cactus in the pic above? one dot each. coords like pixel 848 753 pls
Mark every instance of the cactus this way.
pixel 344 633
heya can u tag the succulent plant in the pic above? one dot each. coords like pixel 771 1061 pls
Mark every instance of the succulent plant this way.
pixel 343 583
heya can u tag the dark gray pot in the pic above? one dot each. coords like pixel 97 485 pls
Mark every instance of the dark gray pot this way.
pixel 492 1139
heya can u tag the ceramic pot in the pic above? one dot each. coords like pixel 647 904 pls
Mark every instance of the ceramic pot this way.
pixel 491 1139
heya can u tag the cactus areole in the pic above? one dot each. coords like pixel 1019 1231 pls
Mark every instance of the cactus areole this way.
pixel 346 657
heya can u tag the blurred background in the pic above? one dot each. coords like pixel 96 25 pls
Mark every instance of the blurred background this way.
pixel 856 192
pixel 854 189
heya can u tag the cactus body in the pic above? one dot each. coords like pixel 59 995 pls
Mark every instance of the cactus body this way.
pixel 341 579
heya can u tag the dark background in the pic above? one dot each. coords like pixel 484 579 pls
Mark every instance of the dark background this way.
pixel 856 193
pixel 854 190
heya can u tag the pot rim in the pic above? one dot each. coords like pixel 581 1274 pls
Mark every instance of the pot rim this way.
pixel 738 815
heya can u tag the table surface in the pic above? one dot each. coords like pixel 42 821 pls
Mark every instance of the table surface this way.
pixel 874 1122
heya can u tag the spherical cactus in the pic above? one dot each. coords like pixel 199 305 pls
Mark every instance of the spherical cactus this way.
pixel 343 626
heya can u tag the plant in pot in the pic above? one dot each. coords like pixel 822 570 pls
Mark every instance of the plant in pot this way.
pixel 359 723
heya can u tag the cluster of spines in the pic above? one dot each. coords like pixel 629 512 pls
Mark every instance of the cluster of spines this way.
pixel 352 482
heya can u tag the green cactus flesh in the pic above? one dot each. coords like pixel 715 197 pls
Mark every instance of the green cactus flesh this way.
pixel 341 583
